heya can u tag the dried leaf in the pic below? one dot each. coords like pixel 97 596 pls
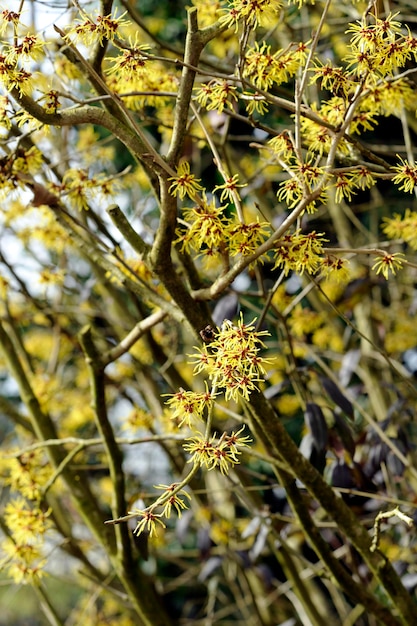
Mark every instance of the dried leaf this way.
pixel 337 396
pixel 345 434
pixel 316 457
pixel 317 426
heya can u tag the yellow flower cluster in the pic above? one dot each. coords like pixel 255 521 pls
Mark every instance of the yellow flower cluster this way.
pixel 139 79
pixel 28 473
pixel 221 453
pixel 217 95
pixel 402 227
pixel 304 178
pixel 8 18
pixel 232 362
pixel 189 406
pixel 90 31
pixel 27 521
pixel 207 229
pixel 300 253
pixel 379 48
pixel 211 232
pixel 169 500
pixel 406 175
pixel 265 69
pixel 17 58
pixel 80 188
pixel 232 359
pixel 15 166
pixel 253 13
pixel 185 183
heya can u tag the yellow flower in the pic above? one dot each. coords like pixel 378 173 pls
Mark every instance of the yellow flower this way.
pixel 246 238
pixel 406 175
pixel 255 103
pixel 26 524
pixel 264 68
pixel 173 500
pixel 232 359
pixel 185 183
pixel 28 473
pixel 26 562
pixel 344 186
pixel 233 441
pixel 189 405
pixel 386 98
pixel 404 227
pixel 388 263
pixel 254 13
pixel 90 32
pixel 28 161
pixel 219 453
pixel 304 176
pixel 207 11
pixel 281 144
pixel 363 178
pixel 230 185
pixel 333 79
pixel 148 523
pixel 51 101
pixel 300 252
pixel 30 47
pixel 19 79
pixel 335 268
pixel 8 18
pixel 202 451
pixel 207 227
pixel 377 49
pixel 130 63
pixel 217 96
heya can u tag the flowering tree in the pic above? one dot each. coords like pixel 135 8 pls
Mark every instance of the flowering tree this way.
pixel 205 303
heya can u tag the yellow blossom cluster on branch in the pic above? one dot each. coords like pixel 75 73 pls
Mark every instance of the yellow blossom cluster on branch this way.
pixel 300 252
pixel 251 12
pixel 232 364
pixel 97 29
pixel 26 520
pixel 265 69
pixel 402 227
pixel 166 179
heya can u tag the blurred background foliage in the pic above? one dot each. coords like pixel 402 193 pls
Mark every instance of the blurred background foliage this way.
pixel 342 355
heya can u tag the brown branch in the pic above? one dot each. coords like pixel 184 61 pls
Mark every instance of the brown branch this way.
pixel 75 116
pixel 101 48
pixel 193 47
pixel 133 336
pixel 342 576
pixel 270 429
pixel 161 263
pixel 105 429
pixel 140 591
pixel 130 235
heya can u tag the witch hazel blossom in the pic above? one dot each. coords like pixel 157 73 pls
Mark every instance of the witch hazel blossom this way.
pixel 189 406
pixel 233 359
pixel 221 453
pixel 184 183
